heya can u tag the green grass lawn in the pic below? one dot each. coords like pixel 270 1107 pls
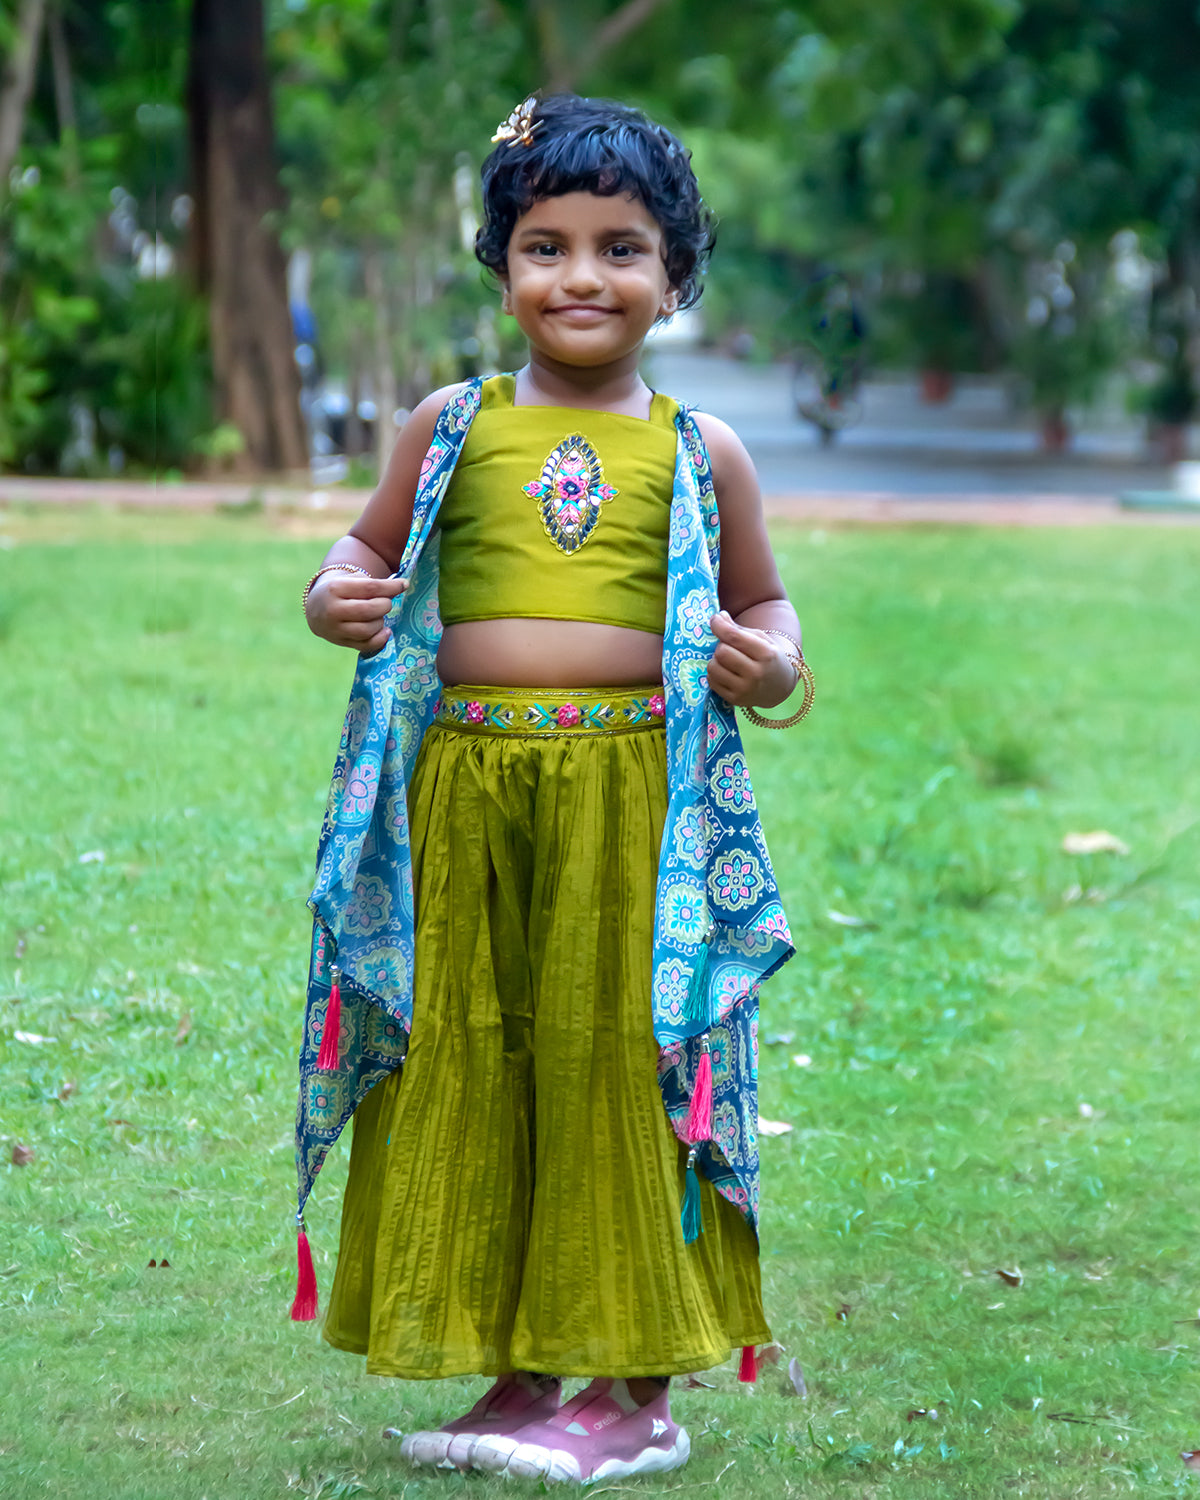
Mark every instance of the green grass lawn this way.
pixel 998 1066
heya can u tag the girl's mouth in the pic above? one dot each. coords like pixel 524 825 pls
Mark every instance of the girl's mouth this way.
pixel 581 312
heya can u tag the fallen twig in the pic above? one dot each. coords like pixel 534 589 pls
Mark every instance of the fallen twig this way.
pixel 236 1411
pixel 703 1484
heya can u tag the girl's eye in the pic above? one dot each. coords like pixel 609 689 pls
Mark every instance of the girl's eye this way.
pixel 621 252
pixel 544 252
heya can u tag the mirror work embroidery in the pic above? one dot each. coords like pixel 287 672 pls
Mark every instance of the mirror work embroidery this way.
pixel 570 492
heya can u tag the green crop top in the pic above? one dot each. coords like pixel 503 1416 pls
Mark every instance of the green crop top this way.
pixel 559 513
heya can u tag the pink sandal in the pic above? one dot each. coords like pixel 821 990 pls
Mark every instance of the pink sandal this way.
pixel 512 1403
pixel 600 1434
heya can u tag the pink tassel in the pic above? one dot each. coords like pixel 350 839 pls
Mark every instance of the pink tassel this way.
pixel 304 1308
pixel 327 1057
pixel 699 1120
pixel 748 1369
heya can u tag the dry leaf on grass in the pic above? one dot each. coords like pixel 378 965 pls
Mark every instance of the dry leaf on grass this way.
pixel 1191 1459
pixel 770 1354
pixel 773 1127
pixel 22 1155
pixel 843 1312
pixel 694 1383
pixel 923 1411
pixel 183 1030
pixel 1098 841
pixel 796 1376
pixel 1011 1278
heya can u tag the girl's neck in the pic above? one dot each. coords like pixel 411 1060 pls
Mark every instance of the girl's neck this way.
pixel 616 387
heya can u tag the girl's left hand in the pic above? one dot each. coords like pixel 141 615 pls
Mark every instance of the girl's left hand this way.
pixel 747 668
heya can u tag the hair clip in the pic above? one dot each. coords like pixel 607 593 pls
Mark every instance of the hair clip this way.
pixel 520 125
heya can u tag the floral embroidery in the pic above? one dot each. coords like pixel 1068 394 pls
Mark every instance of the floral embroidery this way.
pixel 325 1097
pixel 726 1130
pixel 684 912
pixel 694 613
pixel 621 711
pixel 690 835
pixel 671 987
pixel 460 411
pixel 385 1035
pixel 657 707
pixel 570 491
pixel 358 798
pixel 384 969
pixel 414 670
pixel 732 783
pixel 737 879
pixel 720 1047
pixel 691 673
pixel 369 906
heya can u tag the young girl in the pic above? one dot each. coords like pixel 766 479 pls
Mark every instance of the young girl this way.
pixel 542 887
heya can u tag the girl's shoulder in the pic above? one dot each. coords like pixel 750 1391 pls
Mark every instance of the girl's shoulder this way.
pixel 732 467
pixel 424 416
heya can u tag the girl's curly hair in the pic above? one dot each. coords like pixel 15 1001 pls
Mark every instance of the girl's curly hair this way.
pixel 598 146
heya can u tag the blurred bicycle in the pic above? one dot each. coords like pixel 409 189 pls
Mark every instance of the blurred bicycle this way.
pixel 828 364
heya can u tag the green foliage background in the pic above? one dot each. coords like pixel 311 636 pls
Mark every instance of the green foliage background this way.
pixel 999 184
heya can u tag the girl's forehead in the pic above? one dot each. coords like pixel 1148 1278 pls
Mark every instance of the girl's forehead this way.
pixel 589 212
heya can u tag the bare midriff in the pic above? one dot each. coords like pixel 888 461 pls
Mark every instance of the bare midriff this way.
pixel 548 653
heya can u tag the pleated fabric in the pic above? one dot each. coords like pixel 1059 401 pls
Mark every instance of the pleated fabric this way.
pixel 514 1192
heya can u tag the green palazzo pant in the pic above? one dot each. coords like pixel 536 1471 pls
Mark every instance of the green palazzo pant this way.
pixel 514 1192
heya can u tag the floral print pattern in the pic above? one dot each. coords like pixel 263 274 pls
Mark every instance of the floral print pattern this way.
pixel 736 879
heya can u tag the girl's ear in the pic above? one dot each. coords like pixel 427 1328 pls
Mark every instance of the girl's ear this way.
pixel 505 298
pixel 669 304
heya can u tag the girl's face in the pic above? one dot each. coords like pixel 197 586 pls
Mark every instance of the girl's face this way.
pixel 586 280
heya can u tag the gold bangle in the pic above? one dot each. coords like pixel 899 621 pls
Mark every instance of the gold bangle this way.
pixel 329 568
pixel 806 677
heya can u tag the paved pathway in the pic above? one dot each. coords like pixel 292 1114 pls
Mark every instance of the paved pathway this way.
pixel 971 460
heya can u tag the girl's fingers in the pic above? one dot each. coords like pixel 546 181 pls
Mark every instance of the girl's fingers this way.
pixel 376 644
pixel 362 609
pixel 749 642
pixel 352 586
pixel 356 632
pixel 724 682
pixel 737 663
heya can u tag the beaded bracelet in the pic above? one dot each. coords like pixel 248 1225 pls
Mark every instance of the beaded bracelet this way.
pixel 330 568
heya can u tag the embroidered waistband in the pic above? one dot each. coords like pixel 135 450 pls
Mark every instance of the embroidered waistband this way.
pixel 545 711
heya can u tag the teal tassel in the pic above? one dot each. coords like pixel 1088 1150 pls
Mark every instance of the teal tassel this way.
pixel 697 996
pixel 690 1219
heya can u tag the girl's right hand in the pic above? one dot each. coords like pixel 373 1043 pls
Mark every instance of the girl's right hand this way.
pixel 349 610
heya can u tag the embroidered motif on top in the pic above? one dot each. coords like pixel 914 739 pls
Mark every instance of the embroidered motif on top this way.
pixel 570 491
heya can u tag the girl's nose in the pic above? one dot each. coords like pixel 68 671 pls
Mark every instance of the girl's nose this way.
pixel 581 275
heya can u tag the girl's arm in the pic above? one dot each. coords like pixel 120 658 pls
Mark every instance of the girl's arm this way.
pixel 346 608
pixel 748 668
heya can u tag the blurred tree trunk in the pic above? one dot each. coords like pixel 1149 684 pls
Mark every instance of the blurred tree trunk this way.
pixel 386 398
pixel 16 83
pixel 564 61
pixel 64 99
pixel 238 260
